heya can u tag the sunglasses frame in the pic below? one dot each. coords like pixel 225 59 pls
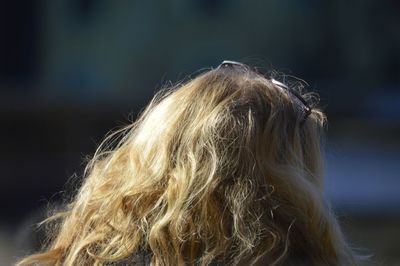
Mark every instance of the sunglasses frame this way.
pixel 300 103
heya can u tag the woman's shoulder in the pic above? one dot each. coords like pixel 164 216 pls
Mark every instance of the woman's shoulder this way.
pixel 139 258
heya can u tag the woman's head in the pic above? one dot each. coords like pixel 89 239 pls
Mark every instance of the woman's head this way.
pixel 223 168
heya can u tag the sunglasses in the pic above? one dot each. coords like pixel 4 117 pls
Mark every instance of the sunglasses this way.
pixel 301 105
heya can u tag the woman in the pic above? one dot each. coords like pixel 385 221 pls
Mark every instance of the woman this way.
pixel 224 169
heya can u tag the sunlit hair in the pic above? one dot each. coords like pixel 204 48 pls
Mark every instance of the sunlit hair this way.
pixel 216 170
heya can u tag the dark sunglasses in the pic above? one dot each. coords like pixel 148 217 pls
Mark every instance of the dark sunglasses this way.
pixel 300 103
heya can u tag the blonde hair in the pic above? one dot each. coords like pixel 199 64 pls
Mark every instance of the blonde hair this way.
pixel 217 169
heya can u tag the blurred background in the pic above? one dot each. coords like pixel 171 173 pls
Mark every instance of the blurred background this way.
pixel 72 70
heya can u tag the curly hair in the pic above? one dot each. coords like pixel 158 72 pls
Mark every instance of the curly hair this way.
pixel 216 169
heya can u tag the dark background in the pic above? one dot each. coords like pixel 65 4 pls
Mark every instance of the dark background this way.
pixel 72 70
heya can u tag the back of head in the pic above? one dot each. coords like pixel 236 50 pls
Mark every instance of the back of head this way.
pixel 225 168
